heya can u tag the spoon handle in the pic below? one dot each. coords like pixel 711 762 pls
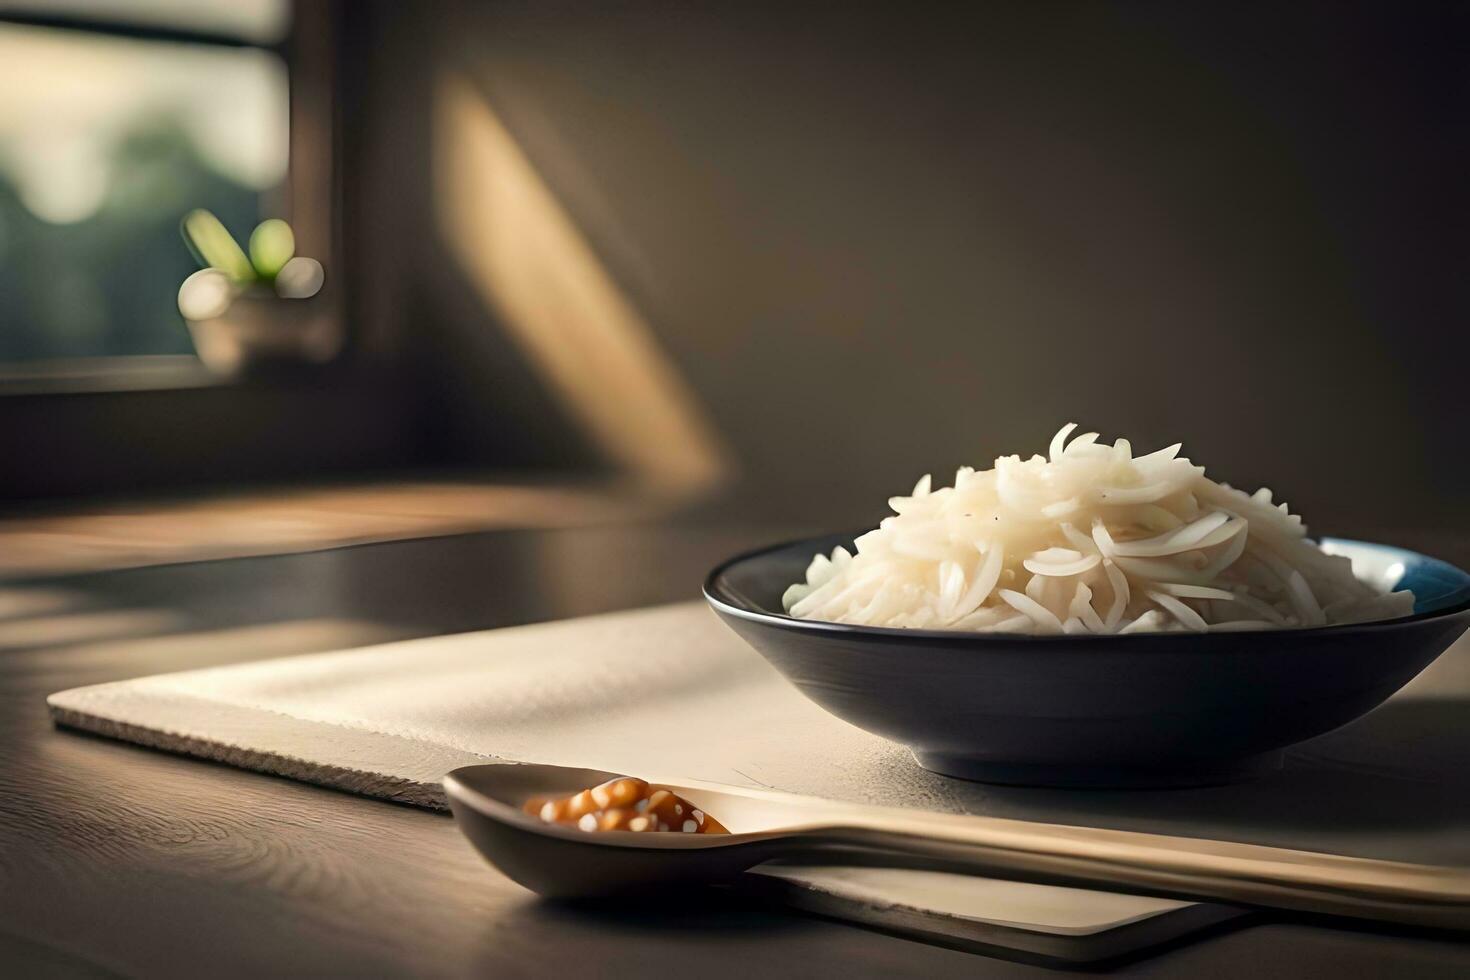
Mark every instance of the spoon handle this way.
pixel 1172 867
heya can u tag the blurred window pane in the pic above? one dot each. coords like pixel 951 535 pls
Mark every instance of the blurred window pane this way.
pixel 105 143
pixel 259 21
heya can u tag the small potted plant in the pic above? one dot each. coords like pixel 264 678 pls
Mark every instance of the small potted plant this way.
pixel 254 313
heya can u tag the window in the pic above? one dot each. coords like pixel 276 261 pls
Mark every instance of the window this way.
pixel 115 120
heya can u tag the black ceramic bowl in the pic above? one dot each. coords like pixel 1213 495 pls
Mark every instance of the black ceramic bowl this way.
pixel 1145 709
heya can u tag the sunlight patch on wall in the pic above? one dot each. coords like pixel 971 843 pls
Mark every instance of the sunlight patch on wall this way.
pixel 533 268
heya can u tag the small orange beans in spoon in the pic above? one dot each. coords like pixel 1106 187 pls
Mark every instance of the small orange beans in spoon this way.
pixel 625 803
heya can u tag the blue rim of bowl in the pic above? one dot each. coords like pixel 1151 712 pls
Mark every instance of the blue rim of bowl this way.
pixel 853 630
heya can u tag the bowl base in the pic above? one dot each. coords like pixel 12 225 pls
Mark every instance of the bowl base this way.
pixel 1214 772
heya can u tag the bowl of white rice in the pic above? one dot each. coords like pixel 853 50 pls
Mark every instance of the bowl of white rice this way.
pixel 1093 617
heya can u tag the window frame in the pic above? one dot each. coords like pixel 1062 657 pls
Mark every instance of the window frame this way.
pixel 62 423
pixel 305 196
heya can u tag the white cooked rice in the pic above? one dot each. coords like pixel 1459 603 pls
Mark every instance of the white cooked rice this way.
pixel 1089 539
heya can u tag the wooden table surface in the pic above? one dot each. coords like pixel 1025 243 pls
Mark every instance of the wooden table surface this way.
pixel 118 861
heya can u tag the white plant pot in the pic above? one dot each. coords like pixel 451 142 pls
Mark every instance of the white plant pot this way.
pixel 262 332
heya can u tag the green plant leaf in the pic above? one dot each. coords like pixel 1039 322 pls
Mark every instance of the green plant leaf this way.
pixel 214 247
pixel 272 245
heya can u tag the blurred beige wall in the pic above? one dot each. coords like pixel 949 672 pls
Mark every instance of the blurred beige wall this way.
pixel 875 242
